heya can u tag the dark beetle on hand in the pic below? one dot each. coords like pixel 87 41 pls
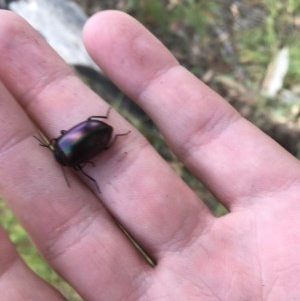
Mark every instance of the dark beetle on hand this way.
pixel 76 146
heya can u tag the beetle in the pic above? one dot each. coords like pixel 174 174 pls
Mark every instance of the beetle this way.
pixel 78 145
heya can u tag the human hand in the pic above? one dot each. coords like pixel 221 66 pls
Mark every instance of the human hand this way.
pixel 252 253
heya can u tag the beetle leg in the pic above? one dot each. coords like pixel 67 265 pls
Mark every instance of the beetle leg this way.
pixel 80 169
pixel 115 138
pixel 87 162
pixel 97 117
pixel 65 176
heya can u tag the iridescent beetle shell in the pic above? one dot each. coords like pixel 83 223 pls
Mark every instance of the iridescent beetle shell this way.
pixel 82 142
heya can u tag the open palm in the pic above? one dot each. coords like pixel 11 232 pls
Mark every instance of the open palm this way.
pixel 252 253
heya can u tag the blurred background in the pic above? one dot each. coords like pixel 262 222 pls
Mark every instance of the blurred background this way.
pixel 246 50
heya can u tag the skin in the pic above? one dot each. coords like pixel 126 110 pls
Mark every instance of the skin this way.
pixel 252 253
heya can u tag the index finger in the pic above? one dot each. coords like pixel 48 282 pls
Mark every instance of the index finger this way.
pixel 138 188
pixel 226 152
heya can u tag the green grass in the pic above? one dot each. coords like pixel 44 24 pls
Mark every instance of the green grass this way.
pixel 29 253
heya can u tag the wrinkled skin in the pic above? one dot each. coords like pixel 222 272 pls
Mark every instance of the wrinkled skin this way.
pixel 252 253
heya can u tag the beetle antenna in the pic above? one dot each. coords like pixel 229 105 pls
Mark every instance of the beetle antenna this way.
pixel 44 142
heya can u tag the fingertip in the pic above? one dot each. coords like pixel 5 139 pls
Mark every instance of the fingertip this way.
pixel 11 27
pixel 125 50
pixel 8 18
pixel 102 24
pixel 103 19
